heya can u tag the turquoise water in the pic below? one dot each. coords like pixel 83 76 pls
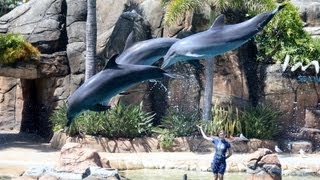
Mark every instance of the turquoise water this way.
pixel 159 174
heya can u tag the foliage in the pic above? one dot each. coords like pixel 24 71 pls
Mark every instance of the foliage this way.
pixel 166 137
pixel 224 118
pixel 130 121
pixel 285 35
pixel 58 118
pixel 261 122
pixel 14 47
pixel 175 8
pixel 180 123
pixel 120 121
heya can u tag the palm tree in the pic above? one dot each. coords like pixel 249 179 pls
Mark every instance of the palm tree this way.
pixel 91 39
pixel 177 8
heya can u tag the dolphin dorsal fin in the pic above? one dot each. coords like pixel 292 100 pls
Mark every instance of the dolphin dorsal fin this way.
pixel 129 41
pixel 112 62
pixel 218 22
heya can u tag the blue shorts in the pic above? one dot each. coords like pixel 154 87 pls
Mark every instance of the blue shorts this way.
pixel 218 166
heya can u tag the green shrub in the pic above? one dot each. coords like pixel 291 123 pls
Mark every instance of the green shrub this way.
pixel 165 136
pixel 285 35
pixel 223 118
pixel 180 123
pixel 130 121
pixel 120 121
pixel 13 47
pixel 58 118
pixel 261 122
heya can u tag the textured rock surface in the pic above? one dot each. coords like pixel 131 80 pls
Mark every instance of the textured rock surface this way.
pixel 42 23
pixel 75 158
pixel 264 165
pixel 150 144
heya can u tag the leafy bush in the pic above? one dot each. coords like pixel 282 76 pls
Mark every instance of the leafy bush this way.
pixel 285 35
pixel 261 122
pixel 14 47
pixel 224 118
pixel 130 121
pixel 120 121
pixel 180 123
pixel 166 137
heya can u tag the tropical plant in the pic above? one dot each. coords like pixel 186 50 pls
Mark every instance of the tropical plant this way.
pixel 261 122
pixel 285 36
pixel 165 136
pixel 128 121
pixel 91 39
pixel 14 47
pixel 120 121
pixel 224 118
pixel 180 123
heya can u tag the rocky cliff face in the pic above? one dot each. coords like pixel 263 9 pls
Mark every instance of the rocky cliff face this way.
pixel 57 28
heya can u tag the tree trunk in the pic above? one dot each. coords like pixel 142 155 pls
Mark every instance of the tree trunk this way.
pixel 91 39
pixel 208 90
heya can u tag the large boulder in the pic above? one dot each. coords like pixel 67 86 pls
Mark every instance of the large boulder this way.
pixel 74 158
pixel 309 11
pixel 263 164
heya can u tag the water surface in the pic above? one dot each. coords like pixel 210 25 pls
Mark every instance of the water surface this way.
pixel 161 174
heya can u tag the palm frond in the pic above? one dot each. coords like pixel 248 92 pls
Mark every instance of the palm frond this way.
pixel 177 8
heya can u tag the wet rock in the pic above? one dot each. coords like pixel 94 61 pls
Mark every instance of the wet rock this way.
pixel 58 140
pixel 304 145
pixel 75 158
pixel 312 118
pixel 263 164
pixel 309 11
pixel 49 173
pixel 239 146
pixel 255 144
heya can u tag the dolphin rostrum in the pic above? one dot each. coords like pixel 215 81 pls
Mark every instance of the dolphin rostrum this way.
pixel 219 39
pixel 113 79
pixel 145 52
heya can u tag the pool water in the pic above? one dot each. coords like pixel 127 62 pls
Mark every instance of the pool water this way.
pixel 174 174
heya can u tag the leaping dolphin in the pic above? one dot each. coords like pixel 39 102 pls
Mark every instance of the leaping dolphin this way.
pixel 219 39
pixel 113 79
pixel 146 52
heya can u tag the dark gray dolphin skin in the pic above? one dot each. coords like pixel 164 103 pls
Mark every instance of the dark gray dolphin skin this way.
pixel 219 39
pixel 145 52
pixel 114 79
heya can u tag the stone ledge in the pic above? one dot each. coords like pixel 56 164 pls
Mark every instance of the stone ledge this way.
pixel 49 65
pixel 152 144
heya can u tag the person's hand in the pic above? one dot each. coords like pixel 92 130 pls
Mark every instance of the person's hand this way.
pixel 199 126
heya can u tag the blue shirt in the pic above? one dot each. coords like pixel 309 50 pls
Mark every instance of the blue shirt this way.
pixel 221 146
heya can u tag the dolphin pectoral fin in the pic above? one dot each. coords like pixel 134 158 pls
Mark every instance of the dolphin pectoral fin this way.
pixel 99 108
pixel 219 22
